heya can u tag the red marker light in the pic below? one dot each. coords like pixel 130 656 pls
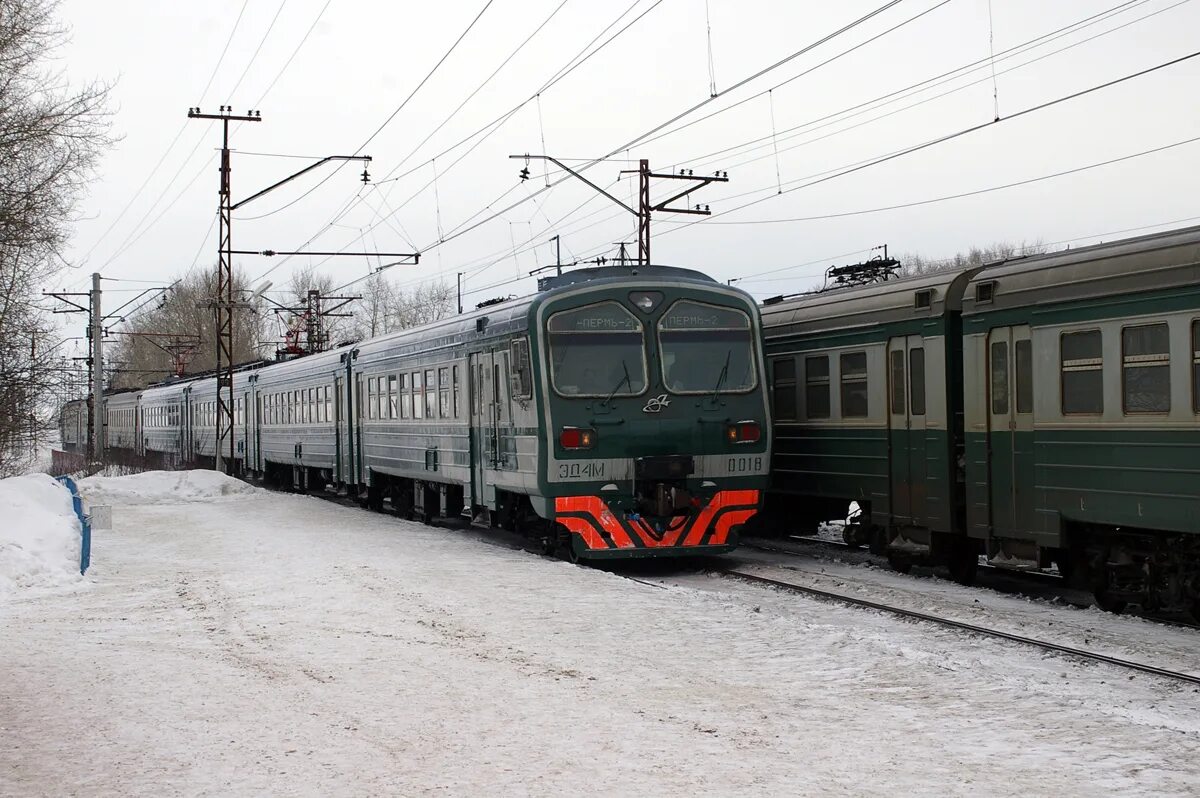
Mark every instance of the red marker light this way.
pixel 577 438
pixel 744 432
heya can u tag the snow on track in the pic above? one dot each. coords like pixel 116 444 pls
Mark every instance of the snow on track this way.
pixel 262 643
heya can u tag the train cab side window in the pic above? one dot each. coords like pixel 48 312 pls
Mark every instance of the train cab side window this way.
pixel 998 362
pixel 1196 366
pixel 916 379
pixel 783 387
pixel 897 381
pixel 1082 363
pixel 1023 354
pixel 522 384
pixel 1146 368
pixel 853 366
pixel 816 386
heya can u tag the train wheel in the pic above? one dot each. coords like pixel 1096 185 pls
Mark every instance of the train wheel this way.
pixel 852 535
pixel 963 564
pixel 900 565
pixel 1107 602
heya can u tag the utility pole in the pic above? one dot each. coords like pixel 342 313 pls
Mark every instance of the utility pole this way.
pixel 645 207
pixel 97 331
pixel 224 297
pixel 460 274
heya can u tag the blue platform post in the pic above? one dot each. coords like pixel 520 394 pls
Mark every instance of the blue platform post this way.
pixel 85 524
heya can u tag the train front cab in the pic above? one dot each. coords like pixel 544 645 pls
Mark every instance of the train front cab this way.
pixel 655 435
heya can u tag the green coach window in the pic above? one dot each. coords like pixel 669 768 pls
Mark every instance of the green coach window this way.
pixel 1146 368
pixel 1082 359
pixel 597 350
pixel 706 349
pixel 853 366
pixel 816 386
pixel 783 387
pixel 1196 366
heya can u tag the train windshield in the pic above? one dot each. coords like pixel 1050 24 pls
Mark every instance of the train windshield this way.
pixel 597 350
pixel 706 349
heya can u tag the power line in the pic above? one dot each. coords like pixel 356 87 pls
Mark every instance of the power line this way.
pixel 938 80
pixel 224 50
pixel 258 49
pixel 744 81
pixel 973 193
pixel 425 79
pixel 485 82
pixel 846 115
pixel 952 136
pixel 295 52
pixel 577 60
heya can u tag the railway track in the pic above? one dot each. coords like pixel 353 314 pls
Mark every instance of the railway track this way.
pixel 1077 653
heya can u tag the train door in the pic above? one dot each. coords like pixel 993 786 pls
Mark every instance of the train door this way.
pixel 1010 429
pixel 906 429
pixel 341 423
pixel 485 410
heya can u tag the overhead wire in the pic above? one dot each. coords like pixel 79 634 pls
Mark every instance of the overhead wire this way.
pixel 802 183
pixel 425 79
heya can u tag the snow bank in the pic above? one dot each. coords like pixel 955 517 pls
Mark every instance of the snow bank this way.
pixel 39 535
pixel 153 487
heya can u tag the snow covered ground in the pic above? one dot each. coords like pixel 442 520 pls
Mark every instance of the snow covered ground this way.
pixel 240 642
pixel 39 536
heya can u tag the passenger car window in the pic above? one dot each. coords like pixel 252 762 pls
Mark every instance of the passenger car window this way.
pixel 897 382
pixel 853 367
pixel 1023 352
pixel 1146 368
pixel 916 379
pixel 816 386
pixel 418 396
pixel 430 395
pixel 998 363
pixel 597 350
pixel 1082 363
pixel 444 392
pixel 784 387
pixel 706 349
pixel 1196 366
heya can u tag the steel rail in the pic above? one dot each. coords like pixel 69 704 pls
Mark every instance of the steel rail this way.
pixel 963 626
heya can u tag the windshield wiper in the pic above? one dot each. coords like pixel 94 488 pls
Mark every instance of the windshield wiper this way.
pixel 722 376
pixel 624 380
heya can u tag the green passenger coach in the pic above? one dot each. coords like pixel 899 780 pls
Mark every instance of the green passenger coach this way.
pixel 866 410
pixel 1041 411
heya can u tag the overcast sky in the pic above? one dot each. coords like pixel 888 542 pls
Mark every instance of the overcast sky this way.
pixel 364 58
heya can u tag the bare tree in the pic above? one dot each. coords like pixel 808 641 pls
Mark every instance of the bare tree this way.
pixel 185 312
pixel 384 309
pixel 51 137
pixel 914 264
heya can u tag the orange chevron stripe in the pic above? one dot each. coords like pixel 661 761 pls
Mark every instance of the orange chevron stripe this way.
pixel 687 535
pixel 582 528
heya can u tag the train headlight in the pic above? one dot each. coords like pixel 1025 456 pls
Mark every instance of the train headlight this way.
pixel 645 301
pixel 577 438
pixel 744 432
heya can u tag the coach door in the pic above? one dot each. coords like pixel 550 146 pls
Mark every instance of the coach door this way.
pixel 341 423
pixel 906 429
pixel 485 430
pixel 1010 429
